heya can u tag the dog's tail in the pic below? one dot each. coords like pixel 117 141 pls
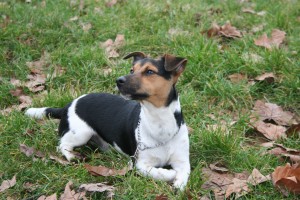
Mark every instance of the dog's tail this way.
pixel 39 113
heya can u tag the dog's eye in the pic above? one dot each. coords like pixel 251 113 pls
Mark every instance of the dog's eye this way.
pixel 131 71
pixel 149 72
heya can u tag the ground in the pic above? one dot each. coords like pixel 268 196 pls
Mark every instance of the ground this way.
pixel 67 38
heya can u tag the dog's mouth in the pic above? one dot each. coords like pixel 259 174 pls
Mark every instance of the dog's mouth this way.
pixel 132 95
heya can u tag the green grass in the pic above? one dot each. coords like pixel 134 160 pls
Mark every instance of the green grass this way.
pixel 204 86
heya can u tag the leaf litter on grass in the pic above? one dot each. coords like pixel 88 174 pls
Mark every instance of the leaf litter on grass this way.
pixel 276 39
pixel 287 178
pixel 271 120
pixel 224 183
pixel 8 184
pixel 227 31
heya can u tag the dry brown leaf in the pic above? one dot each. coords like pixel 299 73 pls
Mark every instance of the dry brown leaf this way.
pixel 51 197
pixel 218 167
pixel 237 77
pixel 225 184
pixel 41 64
pixel 280 150
pixel 270 131
pixel 86 27
pixel 30 151
pixel 252 57
pixel 226 30
pixel 287 178
pixel 267 77
pixel 256 178
pixel 15 82
pixel 239 187
pixel 270 111
pixel 75 18
pixel 8 184
pixel 111 3
pixel 70 194
pixel 248 10
pixel 230 31
pixel 98 187
pixel 30 186
pixel 173 32
pixel 59 160
pixel 277 38
pixel 111 46
pixel 104 171
pixel 36 82
pixel 161 197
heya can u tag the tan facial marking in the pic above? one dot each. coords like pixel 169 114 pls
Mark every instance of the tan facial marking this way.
pixel 157 87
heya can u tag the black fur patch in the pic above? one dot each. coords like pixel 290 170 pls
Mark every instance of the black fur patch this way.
pixel 179 118
pixel 116 119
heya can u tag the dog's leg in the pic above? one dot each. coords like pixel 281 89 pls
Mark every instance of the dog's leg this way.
pixel 156 173
pixel 182 169
pixel 73 139
pixel 180 161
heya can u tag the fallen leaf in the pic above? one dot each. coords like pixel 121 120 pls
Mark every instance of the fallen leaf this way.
pixel 173 32
pixel 30 186
pixel 257 28
pixel 261 13
pixel 8 184
pixel 226 30
pixel 36 82
pixel 218 167
pixel 70 194
pixel 252 57
pixel 111 46
pixel 197 17
pixel 225 184
pixel 161 197
pixel 30 151
pixel 237 77
pixel 280 150
pixel 86 27
pixel 239 187
pixel 104 171
pixel 39 65
pixel 111 3
pixel 59 160
pixel 15 82
pixel 98 187
pixel 277 38
pixel 269 111
pixel 256 177
pixel 270 131
pixel 51 197
pixel 267 77
pixel 75 18
pixel 248 10
pixel 287 178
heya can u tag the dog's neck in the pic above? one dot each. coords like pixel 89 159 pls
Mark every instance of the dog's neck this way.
pixel 159 123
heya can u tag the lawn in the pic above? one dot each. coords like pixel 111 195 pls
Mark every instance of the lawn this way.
pixel 62 41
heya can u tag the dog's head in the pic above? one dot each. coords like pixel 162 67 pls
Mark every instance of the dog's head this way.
pixel 150 79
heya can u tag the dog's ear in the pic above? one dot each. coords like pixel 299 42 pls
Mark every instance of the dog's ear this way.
pixel 136 56
pixel 174 64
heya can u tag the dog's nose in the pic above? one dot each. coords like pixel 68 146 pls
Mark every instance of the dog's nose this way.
pixel 121 80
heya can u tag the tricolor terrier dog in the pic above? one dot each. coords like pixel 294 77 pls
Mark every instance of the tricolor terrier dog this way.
pixel 150 129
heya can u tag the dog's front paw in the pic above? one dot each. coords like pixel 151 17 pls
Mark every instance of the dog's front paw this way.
pixel 179 184
pixel 167 174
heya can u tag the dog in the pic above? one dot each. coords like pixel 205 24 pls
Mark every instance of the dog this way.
pixel 145 122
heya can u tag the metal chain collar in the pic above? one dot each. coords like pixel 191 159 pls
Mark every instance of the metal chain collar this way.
pixel 141 146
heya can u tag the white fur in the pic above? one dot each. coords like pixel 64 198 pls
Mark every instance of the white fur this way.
pixel 159 125
pixel 37 113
